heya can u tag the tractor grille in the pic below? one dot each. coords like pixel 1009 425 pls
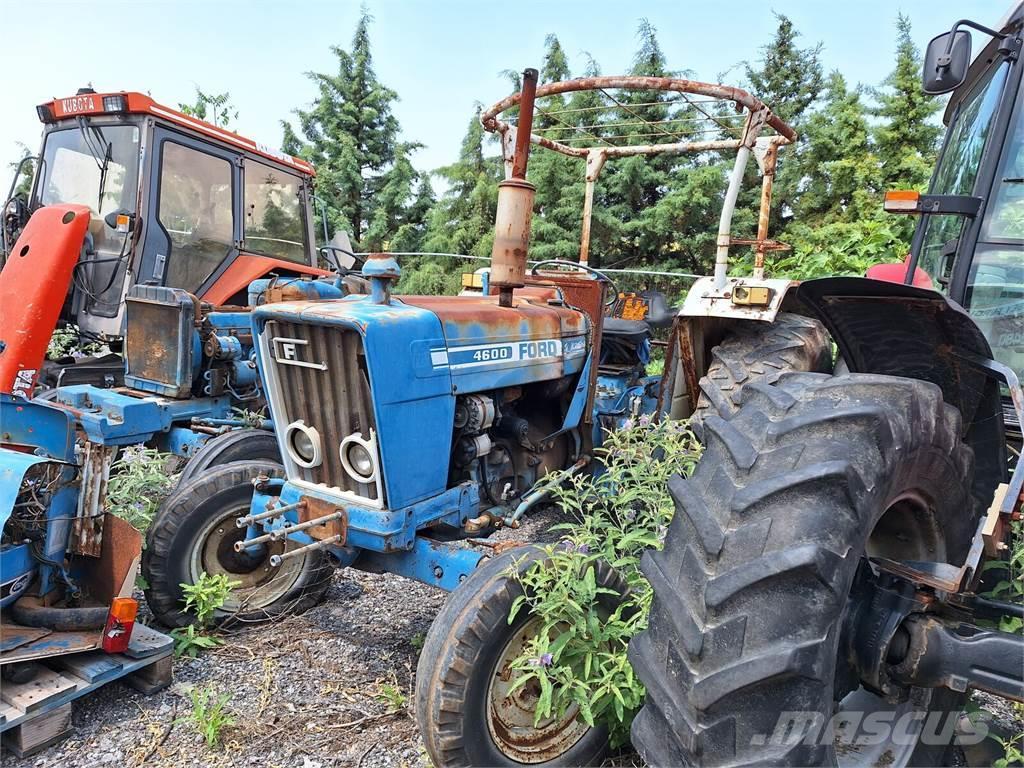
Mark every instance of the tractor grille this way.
pixel 335 400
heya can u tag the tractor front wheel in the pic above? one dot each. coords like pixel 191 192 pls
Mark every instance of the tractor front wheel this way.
pixel 194 532
pixel 468 713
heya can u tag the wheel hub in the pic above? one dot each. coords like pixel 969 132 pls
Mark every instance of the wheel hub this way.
pixel 258 582
pixel 511 714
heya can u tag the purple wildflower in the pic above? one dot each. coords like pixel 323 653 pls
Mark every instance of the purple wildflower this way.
pixel 583 549
pixel 627 424
pixel 644 421
pixel 546 659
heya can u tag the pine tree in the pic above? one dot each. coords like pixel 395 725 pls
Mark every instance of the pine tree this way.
pixel 786 78
pixel 350 135
pixel 559 178
pixel 907 137
pixel 789 79
pixel 393 202
pixel 462 220
pixel 835 160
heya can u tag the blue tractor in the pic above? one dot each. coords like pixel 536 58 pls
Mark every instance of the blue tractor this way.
pixel 408 424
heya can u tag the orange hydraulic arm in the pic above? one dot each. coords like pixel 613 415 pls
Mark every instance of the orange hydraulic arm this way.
pixel 33 286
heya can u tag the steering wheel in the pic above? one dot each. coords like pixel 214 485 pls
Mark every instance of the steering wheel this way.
pixel 333 250
pixel 599 275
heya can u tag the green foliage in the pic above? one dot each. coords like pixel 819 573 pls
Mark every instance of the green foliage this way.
pixel 351 135
pixel 210 714
pixel 839 248
pixel 204 599
pixel 578 656
pixel 462 220
pixel 1010 588
pixel 212 107
pixel 67 341
pixel 392 696
pixel 188 641
pixel 208 595
pixel 417 641
pixel 138 483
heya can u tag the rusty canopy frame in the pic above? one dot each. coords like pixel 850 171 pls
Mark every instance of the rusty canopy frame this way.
pixel 756 116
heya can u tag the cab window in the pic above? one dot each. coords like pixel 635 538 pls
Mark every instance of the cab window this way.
pixel 957 171
pixel 195 208
pixel 273 213
pixel 996 286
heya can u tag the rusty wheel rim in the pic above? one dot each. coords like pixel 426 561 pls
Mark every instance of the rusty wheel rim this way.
pixel 261 583
pixel 510 716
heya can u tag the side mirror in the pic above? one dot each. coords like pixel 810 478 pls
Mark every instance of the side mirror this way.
pixel 946 62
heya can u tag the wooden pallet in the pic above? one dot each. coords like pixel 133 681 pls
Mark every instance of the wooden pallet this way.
pixel 37 714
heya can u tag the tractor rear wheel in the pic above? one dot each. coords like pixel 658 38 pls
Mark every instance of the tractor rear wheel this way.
pixel 760 351
pixel 466 712
pixel 764 573
pixel 194 532
pixel 237 445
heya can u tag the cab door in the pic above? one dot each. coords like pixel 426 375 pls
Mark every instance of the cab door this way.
pixel 193 222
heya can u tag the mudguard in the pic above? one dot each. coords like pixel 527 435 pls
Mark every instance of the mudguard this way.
pixel 902 330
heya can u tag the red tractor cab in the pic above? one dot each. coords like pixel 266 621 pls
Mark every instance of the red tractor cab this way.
pixel 172 200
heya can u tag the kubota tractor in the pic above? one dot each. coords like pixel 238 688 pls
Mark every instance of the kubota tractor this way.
pixel 170 200
pixel 820 596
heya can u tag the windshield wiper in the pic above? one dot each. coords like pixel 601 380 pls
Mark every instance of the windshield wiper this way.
pixel 100 153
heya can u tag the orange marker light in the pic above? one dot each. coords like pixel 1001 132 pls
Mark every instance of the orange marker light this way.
pixel 901 201
pixel 120 621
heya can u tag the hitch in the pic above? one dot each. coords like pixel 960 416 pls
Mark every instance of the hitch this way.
pixel 928 654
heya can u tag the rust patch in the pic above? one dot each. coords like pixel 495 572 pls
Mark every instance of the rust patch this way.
pixel 313 508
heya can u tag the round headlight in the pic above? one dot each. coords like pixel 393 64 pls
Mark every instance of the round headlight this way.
pixel 303 445
pixel 359 458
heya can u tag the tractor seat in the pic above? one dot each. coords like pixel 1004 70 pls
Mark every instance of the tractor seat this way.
pixel 630 331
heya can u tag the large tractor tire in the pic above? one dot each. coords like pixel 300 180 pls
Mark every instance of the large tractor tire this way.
pixel 760 351
pixel 755 582
pixel 237 445
pixel 465 711
pixel 194 532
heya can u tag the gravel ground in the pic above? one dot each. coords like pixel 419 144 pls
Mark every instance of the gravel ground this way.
pixel 309 691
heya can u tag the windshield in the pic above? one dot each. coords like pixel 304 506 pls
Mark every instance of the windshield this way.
pixel 957 172
pixel 996 289
pixel 95 165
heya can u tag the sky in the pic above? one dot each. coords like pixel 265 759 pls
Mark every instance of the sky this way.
pixel 441 56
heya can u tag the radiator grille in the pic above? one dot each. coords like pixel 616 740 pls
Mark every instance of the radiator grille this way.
pixel 335 401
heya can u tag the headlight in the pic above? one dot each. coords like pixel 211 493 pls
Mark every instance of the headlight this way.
pixel 360 459
pixel 357 457
pixel 303 444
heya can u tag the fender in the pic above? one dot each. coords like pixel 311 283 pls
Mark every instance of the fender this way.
pixel 902 330
pixel 33 285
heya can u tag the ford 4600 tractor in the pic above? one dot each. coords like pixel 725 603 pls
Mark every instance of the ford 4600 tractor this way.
pixel 406 423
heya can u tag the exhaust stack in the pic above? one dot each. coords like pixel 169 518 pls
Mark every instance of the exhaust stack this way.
pixel 515 205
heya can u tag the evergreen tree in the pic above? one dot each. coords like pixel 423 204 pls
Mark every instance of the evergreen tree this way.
pixel 557 219
pixel 392 202
pixel 789 79
pixel 835 160
pixel 907 136
pixel 350 135
pixel 462 220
